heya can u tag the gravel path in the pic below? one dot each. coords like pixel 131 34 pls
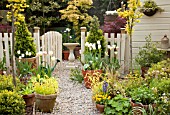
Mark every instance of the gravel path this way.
pixel 73 98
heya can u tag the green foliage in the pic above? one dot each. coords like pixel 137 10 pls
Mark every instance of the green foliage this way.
pixel 2 64
pixel 110 65
pixel 6 83
pixel 96 34
pixel 149 54
pixel 118 105
pixel 143 94
pixel 24 68
pixel 46 70
pixel 92 62
pixel 47 87
pixel 162 89
pixel 43 13
pixel 11 103
pixel 24 42
pixel 76 75
pixel 77 13
pixel 159 70
pixel 27 89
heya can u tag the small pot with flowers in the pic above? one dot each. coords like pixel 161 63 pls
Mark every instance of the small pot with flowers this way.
pixel 93 62
pixel 100 95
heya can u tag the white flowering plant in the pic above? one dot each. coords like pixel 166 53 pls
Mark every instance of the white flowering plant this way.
pixel 92 57
pixel 44 68
pixel 111 12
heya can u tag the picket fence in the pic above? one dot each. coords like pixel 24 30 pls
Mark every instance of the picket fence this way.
pixel 122 41
pixel 50 41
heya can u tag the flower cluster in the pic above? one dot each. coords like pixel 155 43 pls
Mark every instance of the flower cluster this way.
pixel 92 56
pixel 22 55
pixel 101 98
pixel 112 12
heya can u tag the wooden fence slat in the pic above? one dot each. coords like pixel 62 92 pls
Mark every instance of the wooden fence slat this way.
pixel 7 52
pixel 1 47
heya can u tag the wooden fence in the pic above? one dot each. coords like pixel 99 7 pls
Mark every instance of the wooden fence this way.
pixel 50 41
pixel 122 43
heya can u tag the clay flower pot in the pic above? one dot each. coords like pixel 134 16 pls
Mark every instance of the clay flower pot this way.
pixel 100 108
pixel 45 103
pixel 29 101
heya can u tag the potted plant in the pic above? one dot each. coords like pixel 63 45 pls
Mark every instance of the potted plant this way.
pixel 100 95
pixel 46 90
pixel 148 55
pixel 143 96
pixel 2 66
pixel 119 105
pixel 24 43
pixel 24 71
pixel 28 95
pixel 150 8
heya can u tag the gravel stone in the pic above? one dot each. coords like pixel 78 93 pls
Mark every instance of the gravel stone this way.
pixel 73 98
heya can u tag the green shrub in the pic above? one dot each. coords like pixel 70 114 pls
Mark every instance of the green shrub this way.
pixel 11 103
pixel 95 35
pixel 148 54
pixel 119 105
pixel 76 75
pixel 24 42
pixel 6 83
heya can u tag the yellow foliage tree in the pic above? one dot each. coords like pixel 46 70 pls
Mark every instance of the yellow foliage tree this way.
pixel 77 13
pixel 132 15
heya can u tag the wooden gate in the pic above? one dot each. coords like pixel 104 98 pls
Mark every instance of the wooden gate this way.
pixel 50 41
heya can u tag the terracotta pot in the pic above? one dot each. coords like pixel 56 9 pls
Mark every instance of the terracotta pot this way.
pixel 66 54
pixel 32 60
pixel 137 111
pixel 144 70
pixel 45 103
pixel 29 101
pixel 77 52
pixel 86 79
pixel 100 108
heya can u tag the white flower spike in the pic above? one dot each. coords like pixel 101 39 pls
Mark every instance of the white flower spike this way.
pixel 22 55
pixel 98 42
pixel 18 52
pixel 50 53
pixel 26 53
pixel 53 58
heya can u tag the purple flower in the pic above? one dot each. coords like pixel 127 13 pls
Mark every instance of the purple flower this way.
pixel 105 85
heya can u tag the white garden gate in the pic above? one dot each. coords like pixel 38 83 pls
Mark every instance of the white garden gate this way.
pixel 50 41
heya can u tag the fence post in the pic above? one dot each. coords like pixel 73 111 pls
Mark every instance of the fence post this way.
pixel 126 52
pixel 83 31
pixel 36 36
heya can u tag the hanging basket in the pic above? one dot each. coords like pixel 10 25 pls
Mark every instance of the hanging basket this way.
pixel 150 12
pixel 110 18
